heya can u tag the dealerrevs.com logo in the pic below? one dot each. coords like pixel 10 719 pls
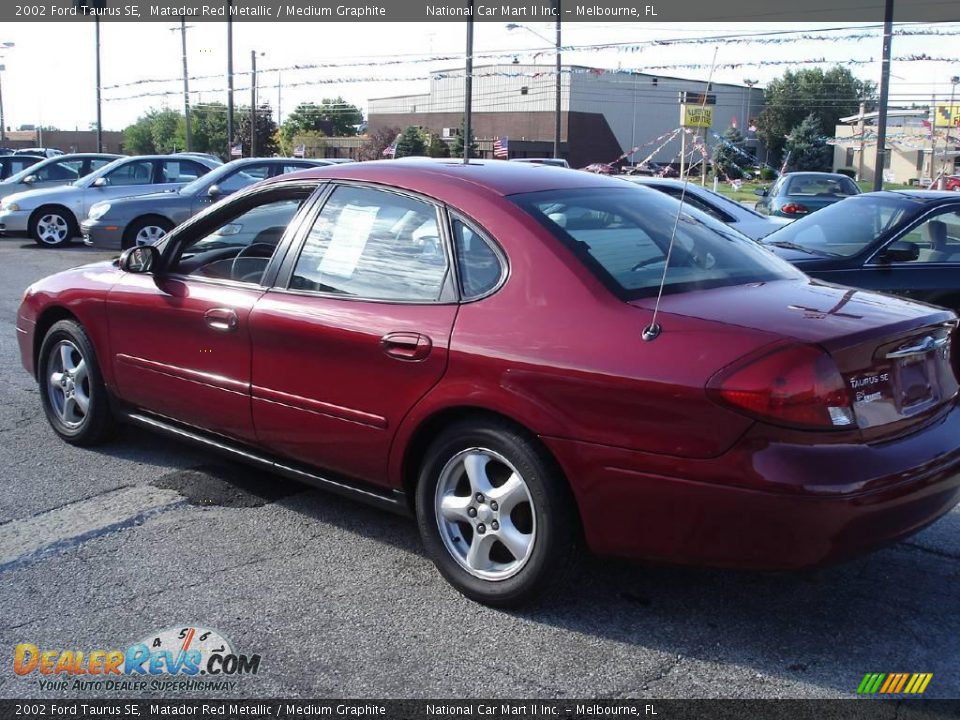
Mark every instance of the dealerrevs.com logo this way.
pixel 179 658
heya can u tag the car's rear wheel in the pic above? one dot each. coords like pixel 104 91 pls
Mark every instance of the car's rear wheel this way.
pixel 71 387
pixel 495 514
pixel 145 231
pixel 53 226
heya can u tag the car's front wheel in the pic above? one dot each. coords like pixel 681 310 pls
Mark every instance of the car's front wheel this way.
pixel 145 231
pixel 71 387
pixel 495 514
pixel 53 226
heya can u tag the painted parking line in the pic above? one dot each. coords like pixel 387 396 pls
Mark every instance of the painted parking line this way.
pixel 32 538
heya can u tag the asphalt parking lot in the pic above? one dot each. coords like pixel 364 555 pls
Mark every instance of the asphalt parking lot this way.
pixel 101 547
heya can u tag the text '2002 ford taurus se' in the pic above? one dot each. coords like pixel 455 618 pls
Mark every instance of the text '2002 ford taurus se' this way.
pixel 475 344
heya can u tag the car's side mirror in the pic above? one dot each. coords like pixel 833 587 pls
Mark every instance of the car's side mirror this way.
pixel 762 192
pixel 900 252
pixel 30 179
pixel 100 182
pixel 214 191
pixel 140 260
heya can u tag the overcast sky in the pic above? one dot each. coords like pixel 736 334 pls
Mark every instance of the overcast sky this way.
pixel 49 76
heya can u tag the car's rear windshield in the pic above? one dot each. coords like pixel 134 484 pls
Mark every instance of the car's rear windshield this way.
pixel 813 185
pixel 623 235
pixel 846 228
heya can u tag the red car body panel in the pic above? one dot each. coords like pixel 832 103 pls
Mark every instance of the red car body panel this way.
pixel 658 468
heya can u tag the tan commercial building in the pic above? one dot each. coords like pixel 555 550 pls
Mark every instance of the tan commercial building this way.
pixel 915 153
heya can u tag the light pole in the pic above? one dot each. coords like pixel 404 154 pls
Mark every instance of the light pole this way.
pixel 3 125
pixel 746 121
pixel 954 125
pixel 557 99
pixel 229 79
pixel 253 103
pixel 186 83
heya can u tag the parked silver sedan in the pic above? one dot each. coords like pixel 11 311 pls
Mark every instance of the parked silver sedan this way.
pixel 731 213
pixel 144 219
pixel 54 171
pixel 52 216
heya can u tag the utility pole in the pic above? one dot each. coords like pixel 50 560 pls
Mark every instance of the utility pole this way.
pixel 186 84
pixel 862 131
pixel 953 125
pixel 884 96
pixel 746 121
pixel 96 26
pixel 3 122
pixel 468 88
pixel 253 103
pixel 230 79
pixel 556 120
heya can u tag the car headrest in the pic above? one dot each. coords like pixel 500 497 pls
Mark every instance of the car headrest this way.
pixel 936 234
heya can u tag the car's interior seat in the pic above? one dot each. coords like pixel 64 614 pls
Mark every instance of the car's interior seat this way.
pixel 935 236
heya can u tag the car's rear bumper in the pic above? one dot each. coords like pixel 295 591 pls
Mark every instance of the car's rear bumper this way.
pixel 107 236
pixel 798 505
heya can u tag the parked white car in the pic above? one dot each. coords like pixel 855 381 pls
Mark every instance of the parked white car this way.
pixel 51 216
pixel 55 171
pixel 741 218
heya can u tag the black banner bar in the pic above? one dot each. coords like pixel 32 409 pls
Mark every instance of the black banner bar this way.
pixel 644 11
pixel 853 709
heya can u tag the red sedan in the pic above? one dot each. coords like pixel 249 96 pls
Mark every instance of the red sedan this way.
pixel 475 344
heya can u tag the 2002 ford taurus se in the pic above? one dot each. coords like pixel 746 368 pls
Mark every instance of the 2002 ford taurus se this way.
pixel 476 344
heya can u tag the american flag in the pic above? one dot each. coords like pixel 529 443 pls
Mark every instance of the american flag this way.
pixel 390 150
pixel 300 151
pixel 236 150
pixel 501 147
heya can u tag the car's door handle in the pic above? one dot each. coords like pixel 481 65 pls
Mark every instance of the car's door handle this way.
pixel 408 346
pixel 221 319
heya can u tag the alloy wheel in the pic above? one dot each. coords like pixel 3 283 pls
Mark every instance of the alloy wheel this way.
pixel 149 234
pixel 485 514
pixel 68 383
pixel 53 229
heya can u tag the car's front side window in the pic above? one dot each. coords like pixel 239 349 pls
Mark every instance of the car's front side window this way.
pixel 376 245
pixel 937 238
pixel 239 248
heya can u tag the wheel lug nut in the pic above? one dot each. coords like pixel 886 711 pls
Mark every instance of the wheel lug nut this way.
pixel 472 511
pixel 495 525
pixel 481 528
pixel 493 505
pixel 479 497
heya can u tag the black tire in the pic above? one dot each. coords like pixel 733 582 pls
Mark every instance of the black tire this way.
pixel 46 217
pixel 555 528
pixel 134 228
pixel 96 423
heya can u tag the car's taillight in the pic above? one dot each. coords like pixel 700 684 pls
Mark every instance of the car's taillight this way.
pixel 794 385
pixel 794 209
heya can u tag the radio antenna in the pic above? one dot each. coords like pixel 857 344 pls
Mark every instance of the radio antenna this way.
pixel 652 331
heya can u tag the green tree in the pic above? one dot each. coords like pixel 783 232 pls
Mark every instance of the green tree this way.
pixel 807 148
pixel 208 129
pixel 306 117
pixel 727 162
pixel 344 116
pixel 377 141
pixel 411 143
pixel 457 149
pixel 266 131
pixel 166 130
pixel 828 95
pixel 436 147
pixel 138 137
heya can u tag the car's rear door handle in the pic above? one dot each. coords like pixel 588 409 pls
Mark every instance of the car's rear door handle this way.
pixel 408 346
pixel 221 319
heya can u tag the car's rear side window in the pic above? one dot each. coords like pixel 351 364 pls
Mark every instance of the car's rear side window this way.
pixel 623 235
pixel 373 244
pixel 478 265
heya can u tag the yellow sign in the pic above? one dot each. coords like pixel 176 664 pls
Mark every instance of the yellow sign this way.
pixel 696 116
pixel 947 115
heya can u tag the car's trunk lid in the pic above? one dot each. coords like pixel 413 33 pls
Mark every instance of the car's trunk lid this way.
pixel 894 355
